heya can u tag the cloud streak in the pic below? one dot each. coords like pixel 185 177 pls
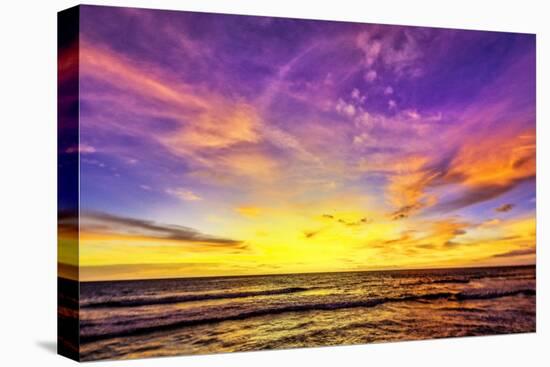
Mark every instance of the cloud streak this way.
pixel 515 253
pixel 104 223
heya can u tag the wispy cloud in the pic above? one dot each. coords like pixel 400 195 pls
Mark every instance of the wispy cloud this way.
pixel 515 253
pixel 504 208
pixel 396 49
pixel 311 234
pixel 95 222
pixel 347 222
pixel 183 194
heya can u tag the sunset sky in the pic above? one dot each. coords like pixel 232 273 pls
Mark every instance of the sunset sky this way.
pixel 224 145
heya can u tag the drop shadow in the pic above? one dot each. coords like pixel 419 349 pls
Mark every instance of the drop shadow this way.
pixel 48 345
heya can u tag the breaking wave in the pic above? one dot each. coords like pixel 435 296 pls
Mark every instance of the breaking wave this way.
pixel 143 329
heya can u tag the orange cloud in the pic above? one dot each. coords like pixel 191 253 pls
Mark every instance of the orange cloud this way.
pixel 213 133
pixel 218 127
pixel 490 166
pixel 483 169
pixel 496 159
pixel 103 64
pixel 408 178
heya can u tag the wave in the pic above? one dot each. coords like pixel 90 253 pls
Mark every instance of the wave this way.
pixel 439 281
pixel 506 277
pixel 251 313
pixel 445 281
pixel 145 329
pixel 494 294
pixel 148 301
pixel 468 279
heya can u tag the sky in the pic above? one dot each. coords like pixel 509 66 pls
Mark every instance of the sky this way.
pixel 215 145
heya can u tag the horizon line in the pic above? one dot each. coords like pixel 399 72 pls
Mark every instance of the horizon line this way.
pixel 302 273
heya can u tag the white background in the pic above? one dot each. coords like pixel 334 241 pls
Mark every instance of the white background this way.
pixel 28 182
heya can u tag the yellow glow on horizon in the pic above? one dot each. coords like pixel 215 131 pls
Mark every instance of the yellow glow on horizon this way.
pixel 292 243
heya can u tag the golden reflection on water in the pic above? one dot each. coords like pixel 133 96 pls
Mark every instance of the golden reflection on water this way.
pixel 316 314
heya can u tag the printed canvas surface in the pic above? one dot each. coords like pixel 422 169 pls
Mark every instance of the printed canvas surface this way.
pixel 234 183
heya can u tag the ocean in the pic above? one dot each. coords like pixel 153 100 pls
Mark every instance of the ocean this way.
pixel 146 318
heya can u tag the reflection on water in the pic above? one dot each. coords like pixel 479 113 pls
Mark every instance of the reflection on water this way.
pixel 184 316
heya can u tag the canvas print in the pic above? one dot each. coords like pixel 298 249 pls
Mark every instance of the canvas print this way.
pixel 240 183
